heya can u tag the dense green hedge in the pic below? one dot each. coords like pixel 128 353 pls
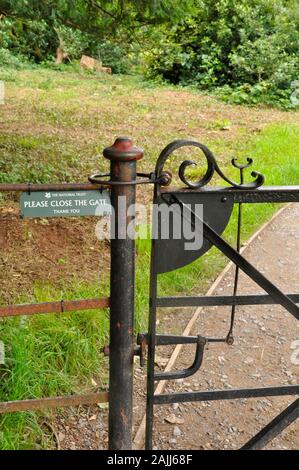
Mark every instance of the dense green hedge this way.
pixel 247 50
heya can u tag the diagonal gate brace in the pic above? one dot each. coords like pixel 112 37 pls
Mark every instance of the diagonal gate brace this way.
pixel 274 428
pixel 238 259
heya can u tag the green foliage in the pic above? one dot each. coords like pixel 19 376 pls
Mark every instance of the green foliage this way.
pixel 74 41
pixel 36 28
pixel 22 160
pixel 30 38
pixel 249 48
pixel 247 51
pixel 8 59
pixel 114 56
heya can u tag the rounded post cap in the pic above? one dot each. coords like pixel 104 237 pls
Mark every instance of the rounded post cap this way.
pixel 124 150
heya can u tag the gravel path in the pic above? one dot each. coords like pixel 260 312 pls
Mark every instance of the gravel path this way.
pixel 261 355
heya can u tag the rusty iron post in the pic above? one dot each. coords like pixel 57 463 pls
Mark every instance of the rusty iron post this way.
pixel 123 156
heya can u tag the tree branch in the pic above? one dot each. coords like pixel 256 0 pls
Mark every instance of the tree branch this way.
pixel 99 7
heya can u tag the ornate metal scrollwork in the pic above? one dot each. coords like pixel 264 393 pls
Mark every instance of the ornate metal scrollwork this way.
pixel 211 169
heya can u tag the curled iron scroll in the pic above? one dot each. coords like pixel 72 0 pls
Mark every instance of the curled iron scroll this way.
pixel 211 169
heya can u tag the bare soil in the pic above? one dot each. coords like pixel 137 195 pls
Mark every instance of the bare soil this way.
pixel 47 251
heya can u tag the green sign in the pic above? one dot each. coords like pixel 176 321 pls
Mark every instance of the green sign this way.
pixel 64 204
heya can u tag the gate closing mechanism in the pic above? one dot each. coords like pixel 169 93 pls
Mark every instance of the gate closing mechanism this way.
pixel 167 340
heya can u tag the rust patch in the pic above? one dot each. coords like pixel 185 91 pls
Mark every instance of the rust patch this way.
pixel 53 402
pixel 54 307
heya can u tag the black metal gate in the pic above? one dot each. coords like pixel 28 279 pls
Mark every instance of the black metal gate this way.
pixel 217 203
pixel 167 254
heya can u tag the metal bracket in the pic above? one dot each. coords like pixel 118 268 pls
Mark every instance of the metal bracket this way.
pixel 139 350
pixel 182 374
pixel 165 340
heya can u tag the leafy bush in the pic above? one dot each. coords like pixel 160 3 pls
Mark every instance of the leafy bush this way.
pixel 74 41
pixel 37 28
pixel 8 59
pixel 249 51
pixel 31 38
pixel 114 55
pixel 35 40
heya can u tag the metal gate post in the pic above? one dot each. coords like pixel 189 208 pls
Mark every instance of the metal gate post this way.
pixel 123 156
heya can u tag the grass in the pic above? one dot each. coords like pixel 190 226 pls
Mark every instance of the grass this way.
pixel 49 355
pixel 77 115
pixel 69 118
pixel 28 163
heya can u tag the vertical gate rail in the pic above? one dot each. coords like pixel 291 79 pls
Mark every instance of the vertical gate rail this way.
pixel 123 157
pixel 167 256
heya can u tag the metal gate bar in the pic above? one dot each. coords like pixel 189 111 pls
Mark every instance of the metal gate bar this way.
pixel 123 157
pixel 221 300
pixel 32 187
pixel 226 394
pixel 275 194
pixel 52 402
pixel 60 306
